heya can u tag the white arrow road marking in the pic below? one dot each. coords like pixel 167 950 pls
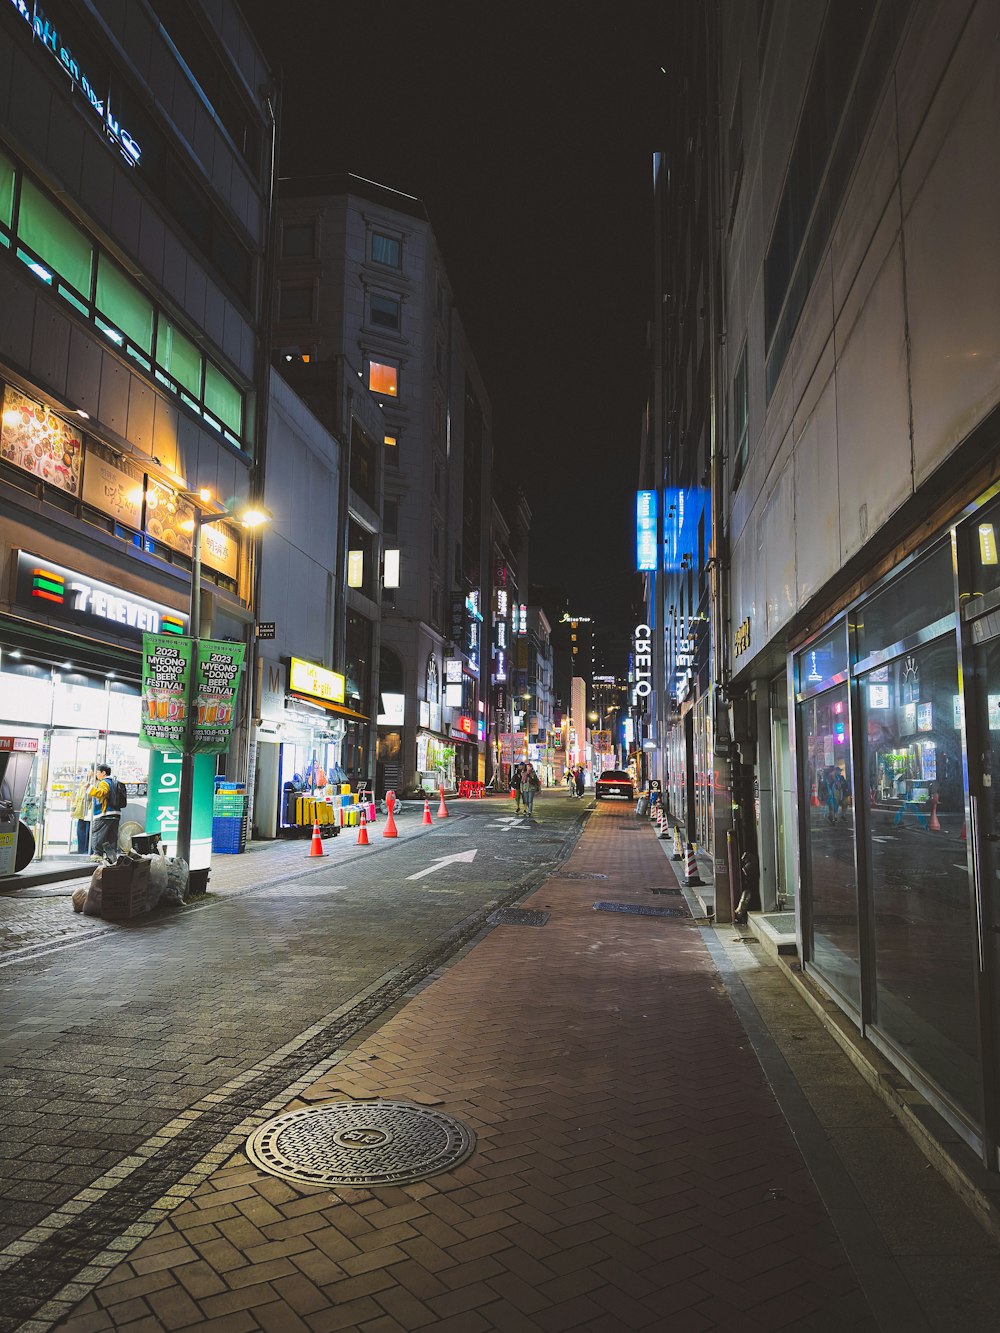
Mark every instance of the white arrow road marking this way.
pixel 510 822
pixel 445 861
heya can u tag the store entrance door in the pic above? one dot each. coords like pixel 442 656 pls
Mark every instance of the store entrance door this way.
pixel 73 756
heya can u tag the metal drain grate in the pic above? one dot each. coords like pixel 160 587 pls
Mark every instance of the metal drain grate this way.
pixel 674 893
pixel 639 909
pixel 360 1143
pixel 581 874
pixel 517 916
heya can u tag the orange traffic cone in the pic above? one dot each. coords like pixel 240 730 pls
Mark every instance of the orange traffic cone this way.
pixel 316 847
pixel 442 808
pixel 664 829
pixel 363 831
pixel 813 798
pixel 427 813
pixel 935 824
pixel 390 830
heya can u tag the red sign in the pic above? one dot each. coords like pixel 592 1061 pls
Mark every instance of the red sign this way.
pixel 465 724
pixel 12 743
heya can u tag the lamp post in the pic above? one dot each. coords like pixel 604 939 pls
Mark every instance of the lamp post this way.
pixel 251 517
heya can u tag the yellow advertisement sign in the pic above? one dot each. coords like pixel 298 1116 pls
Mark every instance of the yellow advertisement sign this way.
pixel 317 681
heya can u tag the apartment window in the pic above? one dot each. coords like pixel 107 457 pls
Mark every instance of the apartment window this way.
pixel 384 311
pixel 741 417
pixel 364 465
pixel 383 377
pixel 298 240
pixel 386 250
pixel 296 300
pixel 390 517
pixel 129 312
pixel 391 450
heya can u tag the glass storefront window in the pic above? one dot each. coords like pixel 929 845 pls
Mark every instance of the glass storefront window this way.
pixel 829 837
pixel 924 932
pixel 823 660
pixel 924 595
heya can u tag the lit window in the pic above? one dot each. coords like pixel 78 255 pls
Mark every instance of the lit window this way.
pixel 298 239
pixel 222 399
pixel 54 239
pixel 124 305
pixel 391 577
pixel 384 311
pixel 389 440
pixel 355 569
pixel 383 378
pixel 385 250
pixel 178 356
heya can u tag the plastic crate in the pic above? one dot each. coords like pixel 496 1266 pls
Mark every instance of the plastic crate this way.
pixel 228 836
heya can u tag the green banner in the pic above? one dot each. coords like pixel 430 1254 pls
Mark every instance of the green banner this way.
pixel 213 694
pixel 166 679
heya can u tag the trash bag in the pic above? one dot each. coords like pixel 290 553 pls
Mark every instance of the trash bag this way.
pixel 107 872
pixel 642 805
pixel 79 898
pixel 159 876
pixel 177 880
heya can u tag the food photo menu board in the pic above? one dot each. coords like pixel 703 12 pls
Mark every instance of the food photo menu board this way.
pixel 35 440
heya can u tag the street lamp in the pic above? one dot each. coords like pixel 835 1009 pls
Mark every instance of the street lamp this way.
pixel 251 517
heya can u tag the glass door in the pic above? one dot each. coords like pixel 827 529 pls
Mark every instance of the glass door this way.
pixel 984 782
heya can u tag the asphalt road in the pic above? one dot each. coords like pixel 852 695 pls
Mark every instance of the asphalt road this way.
pixel 132 1057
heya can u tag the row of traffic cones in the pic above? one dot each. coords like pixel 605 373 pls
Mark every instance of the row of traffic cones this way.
pixel 390 830
pixel 682 852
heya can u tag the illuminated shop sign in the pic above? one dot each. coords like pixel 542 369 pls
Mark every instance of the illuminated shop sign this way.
pixel 521 619
pixel 645 530
pixel 46 32
pixel 452 669
pixel 54 590
pixel 643 662
pixel 466 725
pixel 316 681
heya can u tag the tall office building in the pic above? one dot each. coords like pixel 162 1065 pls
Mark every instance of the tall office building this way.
pixel 136 148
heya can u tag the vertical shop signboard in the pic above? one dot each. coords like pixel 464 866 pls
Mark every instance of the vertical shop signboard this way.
pixel 166 681
pixel 163 808
pixel 216 684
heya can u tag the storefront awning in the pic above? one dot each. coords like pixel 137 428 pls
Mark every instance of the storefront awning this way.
pixel 328 707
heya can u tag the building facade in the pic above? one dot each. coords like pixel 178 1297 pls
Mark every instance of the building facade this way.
pixel 136 153
pixel 363 295
pixel 852 569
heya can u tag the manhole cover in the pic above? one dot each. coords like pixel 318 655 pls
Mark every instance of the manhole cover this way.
pixel 517 916
pixel 675 893
pixel 639 909
pixel 360 1143
pixel 581 874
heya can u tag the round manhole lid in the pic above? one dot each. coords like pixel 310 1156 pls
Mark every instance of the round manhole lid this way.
pixel 360 1143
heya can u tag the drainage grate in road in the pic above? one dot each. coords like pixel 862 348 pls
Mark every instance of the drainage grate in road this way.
pixel 360 1143
pixel 675 893
pixel 639 909
pixel 581 874
pixel 517 916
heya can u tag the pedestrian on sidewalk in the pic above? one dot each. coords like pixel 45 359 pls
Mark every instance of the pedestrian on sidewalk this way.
pixel 530 784
pixel 571 781
pixel 106 818
pixel 581 781
pixel 82 811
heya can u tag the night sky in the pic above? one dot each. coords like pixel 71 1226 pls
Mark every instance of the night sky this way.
pixel 528 131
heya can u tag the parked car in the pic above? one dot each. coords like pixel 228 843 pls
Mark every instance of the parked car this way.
pixel 614 782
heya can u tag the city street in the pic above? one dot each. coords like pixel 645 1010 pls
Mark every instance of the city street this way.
pixel 201 1015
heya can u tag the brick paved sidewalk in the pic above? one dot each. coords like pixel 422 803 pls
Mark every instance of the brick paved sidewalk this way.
pixel 632 1170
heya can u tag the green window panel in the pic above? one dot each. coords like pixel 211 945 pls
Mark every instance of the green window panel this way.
pixel 223 399
pixel 123 305
pixel 178 356
pixel 6 190
pixel 56 240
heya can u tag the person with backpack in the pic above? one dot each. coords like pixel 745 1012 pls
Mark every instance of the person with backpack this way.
pixel 530 784
pixel 110 799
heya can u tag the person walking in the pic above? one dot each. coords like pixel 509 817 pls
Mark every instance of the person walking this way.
pixel 581 781
pixel 516 776
pixel 571 781
pixel 81 811
pixel 106 816
pixel 530 784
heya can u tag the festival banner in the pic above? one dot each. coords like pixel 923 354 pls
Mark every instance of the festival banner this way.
pixel 166 679
pixel 215 687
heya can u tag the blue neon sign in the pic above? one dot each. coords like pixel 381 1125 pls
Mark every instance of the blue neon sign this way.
pixel 645 530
